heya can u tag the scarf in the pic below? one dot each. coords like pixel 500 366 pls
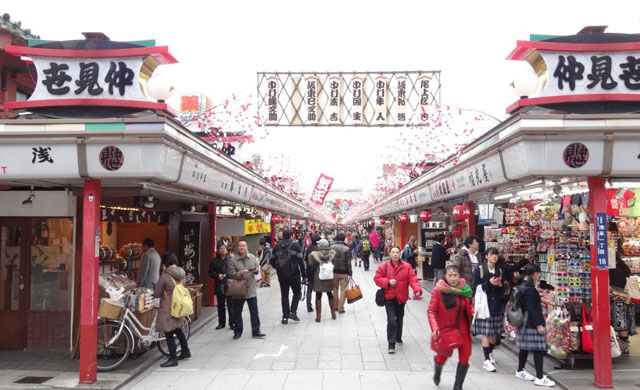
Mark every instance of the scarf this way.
pixel 462 289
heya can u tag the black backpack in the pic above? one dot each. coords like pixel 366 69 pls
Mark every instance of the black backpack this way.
pixel 283 257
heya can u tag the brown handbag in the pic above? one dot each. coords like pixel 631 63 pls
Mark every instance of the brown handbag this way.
pixel 236 288
pixel 353 292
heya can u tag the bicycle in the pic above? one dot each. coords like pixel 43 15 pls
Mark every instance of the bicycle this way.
pixel 116 342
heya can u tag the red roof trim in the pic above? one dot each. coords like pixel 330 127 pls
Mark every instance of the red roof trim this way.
pixel 90 102
pixel 523 48
pixel 161 53
pixel 602 97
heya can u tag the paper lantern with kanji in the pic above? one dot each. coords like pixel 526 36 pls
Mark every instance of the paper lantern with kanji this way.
pixel 276 219
pixel 382 221
pixel 404 218
pixel 425 216
pixel 461 212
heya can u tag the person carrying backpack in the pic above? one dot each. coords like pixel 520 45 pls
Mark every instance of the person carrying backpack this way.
pixel 364 251
pixel 321 272
pixel 288 261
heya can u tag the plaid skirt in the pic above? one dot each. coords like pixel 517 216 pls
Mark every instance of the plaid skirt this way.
pixel 489 326
pixel 530 340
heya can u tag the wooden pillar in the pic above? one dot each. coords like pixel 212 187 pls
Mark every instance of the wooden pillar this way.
pixel 212 246
pixel 471 221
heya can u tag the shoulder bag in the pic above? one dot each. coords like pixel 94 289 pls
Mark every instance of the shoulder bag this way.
pixel 236 288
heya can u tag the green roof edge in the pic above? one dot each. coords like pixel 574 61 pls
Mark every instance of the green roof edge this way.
pixel 541 37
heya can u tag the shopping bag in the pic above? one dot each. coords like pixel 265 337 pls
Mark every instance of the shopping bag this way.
pixel 633 289
pixel 446 341
pixel 615 347
pixel 587 331
pixel 353 291
pixel 481 304
pixel 236 288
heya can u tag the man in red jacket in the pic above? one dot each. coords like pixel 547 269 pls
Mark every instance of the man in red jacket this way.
pixel 394 277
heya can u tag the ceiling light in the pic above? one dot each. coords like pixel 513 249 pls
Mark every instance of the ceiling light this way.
pixel 150 202
pixel 29 200
pixel 626 184
pixel 530 191
pixel 503 196
pixel 564 180
pixel 193 207
pixel 534 183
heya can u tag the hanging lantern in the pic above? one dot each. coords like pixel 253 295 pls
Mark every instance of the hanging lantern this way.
pixel 425 216
pixel 382 221
pixel 333 215
pixel 404 218
pixel 276 218
pixel 461 212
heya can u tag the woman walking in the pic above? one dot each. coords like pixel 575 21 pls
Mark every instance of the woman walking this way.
pixel 531 337
pixel 355 243
pixel 218 272
pixel 450 311
pixel 323 255
pixel 489 277
pixel 395 277
pixel 171 326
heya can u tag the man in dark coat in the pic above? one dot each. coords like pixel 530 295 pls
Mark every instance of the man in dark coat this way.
pixel 218 273
pixel 288 261
pixel 439 257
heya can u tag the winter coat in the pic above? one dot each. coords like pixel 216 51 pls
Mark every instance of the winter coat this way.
pixel 317 258
pixel 530 303
pixel 463 262
pixel 308 262
pixel 296 262
pixel 218 266
pixel 439 256
pixel 374 239
pixel 495 294
pixel 441 317
pixel 239 263
pixel 405 276
pixel 164 322
pixel 149 270
pixel 342 259
pixel 409 255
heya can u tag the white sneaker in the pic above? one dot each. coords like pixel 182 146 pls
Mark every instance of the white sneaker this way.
pixel 491 359
pixel 525 375
pixel 544 382
pixel 489 366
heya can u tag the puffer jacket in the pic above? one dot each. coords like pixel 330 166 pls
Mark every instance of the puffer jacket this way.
pixel 164 291
pixel 463 261
pixel 317 258
pixel 405 276
pixel 342 260
pixel 441 317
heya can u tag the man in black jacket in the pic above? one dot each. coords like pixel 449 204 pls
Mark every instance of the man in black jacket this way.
pixel 287 259
pixel 315 237
pixel 439 257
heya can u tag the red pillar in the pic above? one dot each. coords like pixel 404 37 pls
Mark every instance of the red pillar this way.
pixel 471 221
pixel 213 249
pixel 273 234
pixel 602 365
pixel 403 234
pixel 89 284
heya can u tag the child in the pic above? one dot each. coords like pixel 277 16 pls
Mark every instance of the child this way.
pixel 531 336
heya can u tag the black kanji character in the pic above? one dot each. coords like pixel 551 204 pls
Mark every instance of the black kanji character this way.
pixel 119 78
pixel 42 155
pixel 55 78
pixel 569 73
pixel 631 75
pixel 601 73
pixel 88 79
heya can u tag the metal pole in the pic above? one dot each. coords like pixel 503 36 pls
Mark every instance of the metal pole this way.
pixel 212 246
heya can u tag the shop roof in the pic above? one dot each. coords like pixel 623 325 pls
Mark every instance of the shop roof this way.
pixel 15 28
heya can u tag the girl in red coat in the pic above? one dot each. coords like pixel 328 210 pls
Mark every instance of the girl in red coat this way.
pixel 394 277
pixel 450 310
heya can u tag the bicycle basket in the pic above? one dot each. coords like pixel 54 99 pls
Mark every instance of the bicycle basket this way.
pixel 109 310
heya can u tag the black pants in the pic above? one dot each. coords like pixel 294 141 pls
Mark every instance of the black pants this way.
pixel 309 293
pixel 395 316
pixel 223 301
pixel 292 283
pixel 171 342
pixel 319 295
pixel 238 305
pixel 365 260
pixel 537 361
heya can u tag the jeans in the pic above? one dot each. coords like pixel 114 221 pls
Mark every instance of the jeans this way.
pixel 365 260
pixel 238 305
pixel 295 286
pixel 223 301
pixel 171 342
pixel 437 275
pixel 377 254
pixel 340 283
pixel 395 316
pixel 309 293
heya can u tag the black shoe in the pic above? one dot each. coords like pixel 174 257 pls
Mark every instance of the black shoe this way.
pixel 259 336
pixel 236 336
pixel 461 373
pixel 399 342
pixel 285 321
pixel 436 373
pixel 171 362
pixel 232 327
pixel 294 317
pixel 392 349
pixel 219 327
pixel 185 354
pixel 309 309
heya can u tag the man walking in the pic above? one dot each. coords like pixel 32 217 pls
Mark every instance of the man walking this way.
pixel 313 246
pixel 287 259
pixel 364 251
pixel 439 257
pixel 244 266
pixel 149 271
pixel 341 270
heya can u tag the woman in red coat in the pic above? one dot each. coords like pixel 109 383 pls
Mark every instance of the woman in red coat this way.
pixel 450 310
pixel 394 277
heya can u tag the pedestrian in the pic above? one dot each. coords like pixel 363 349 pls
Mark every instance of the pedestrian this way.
pixel 489 277
pixel 395 277
pixel 244 266
pixel 439 257
pixel 450 310
pixel 355 243
pixel 323 255
pixel 382 241
pixel 374 239
pixel 307 261
pixel 171 326
pixel 410 252
pixel 149 270
pixel 342 270
pixel 532 336
pixel 218 268
pixel 265 258
pixel 618 278
pixel 466 259
pixel 364 251
pixel 288 261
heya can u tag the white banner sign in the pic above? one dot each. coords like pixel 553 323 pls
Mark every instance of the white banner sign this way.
pixel 313 114
pixel 401 100
pixel 380 102
pixel 359 98
pixel 334 110
pixel 272 102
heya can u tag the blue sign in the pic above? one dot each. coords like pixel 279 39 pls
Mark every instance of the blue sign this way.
pixel 601 240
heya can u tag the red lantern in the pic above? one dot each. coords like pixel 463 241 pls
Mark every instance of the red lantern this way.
pixel 461 212
pixel 404 218
pixel 382 221
pixel 425 216
pixel 276 219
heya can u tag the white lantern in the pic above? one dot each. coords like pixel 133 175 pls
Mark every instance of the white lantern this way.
pixel 267 218
pixel 413 218
pixel 524 83
pixel 160 87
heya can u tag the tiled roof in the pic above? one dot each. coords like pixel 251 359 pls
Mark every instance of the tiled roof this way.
pixel 15 28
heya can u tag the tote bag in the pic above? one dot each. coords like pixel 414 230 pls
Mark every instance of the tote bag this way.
pixel 482 311
pixel 587 331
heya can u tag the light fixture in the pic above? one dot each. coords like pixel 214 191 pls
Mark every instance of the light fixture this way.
pixel 266 218
pixel 193 207
pixel 564 180
pixel 150 202
pixel 529 191
pixel 413 218
pixel 503 196
pixel 625 184
pixel 524 83
pixel 160 86
pixel 533 183
pixel 29 200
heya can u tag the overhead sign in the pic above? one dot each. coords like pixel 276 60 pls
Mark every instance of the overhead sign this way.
pixel 256 226
pixel 321 189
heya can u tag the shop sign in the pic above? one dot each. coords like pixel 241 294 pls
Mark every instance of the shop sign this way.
pixel 425 98
pixel 359 99
pixel 334 110
pixel 477 176
pixel 256 226
pixel 38 159
pixel 575 155
pixel 401 100
pixel 321 189
pixel 123 215
pixel 193 104
pixel 111 158
pixel 380 101
pixel 189 252
pixel 433 225
pixel 272 100
pixel 601 241
pixel 311 99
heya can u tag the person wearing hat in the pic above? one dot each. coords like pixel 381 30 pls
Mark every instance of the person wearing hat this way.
pixel 322 255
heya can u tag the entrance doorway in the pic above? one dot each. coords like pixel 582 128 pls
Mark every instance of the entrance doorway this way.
pixel 14 261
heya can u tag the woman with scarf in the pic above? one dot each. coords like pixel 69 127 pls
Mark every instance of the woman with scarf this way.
pixel 450 310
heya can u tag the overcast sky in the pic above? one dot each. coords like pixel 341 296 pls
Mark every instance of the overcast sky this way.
pixel 222 44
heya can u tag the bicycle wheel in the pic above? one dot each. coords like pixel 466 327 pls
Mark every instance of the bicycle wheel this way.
pixel 162 341
pixel 112 355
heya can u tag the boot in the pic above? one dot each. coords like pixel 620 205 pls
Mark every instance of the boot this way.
pixel 332 307
pixel 171 362
pixel 436 373
pixel 461 373
pixel 184 354
pixel 318 310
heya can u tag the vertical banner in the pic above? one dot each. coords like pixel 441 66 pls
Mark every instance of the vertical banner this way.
pixel 401 100
pixel 357 105
pixel 322 188
pixel 189 255
pixel 380 102
pixel 272 100
pixel 311 98
pixel 601 240
pixel 425 98
pixel 334 110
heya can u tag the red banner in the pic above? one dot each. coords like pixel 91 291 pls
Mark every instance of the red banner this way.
pixel 320 191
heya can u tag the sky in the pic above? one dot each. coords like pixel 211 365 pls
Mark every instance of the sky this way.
pixel 222 44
